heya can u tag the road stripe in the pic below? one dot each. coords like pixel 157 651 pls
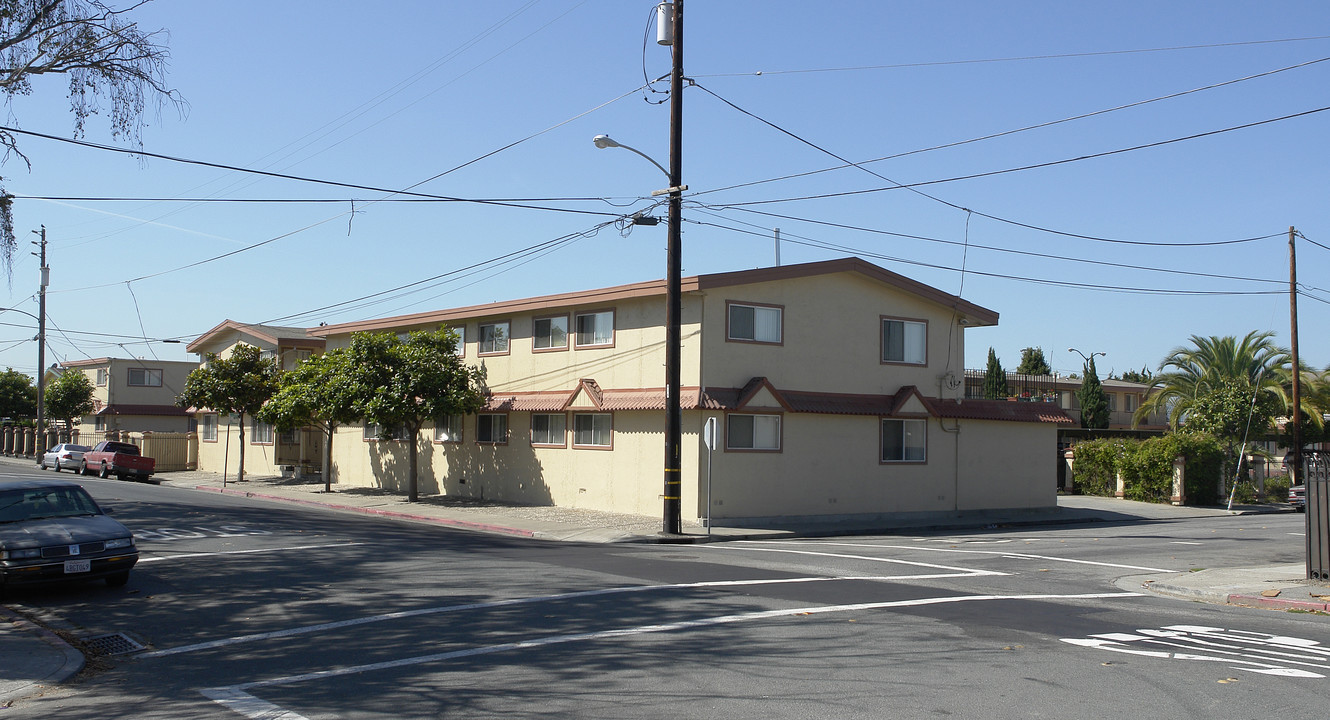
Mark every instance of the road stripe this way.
pixel 1002 553
pixel 182 556
pixel 961 572
pixel 238 698
pixel 1184 542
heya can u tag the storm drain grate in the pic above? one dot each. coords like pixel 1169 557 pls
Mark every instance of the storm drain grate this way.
pixel 113 644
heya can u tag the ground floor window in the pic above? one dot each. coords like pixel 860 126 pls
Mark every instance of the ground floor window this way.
pixel 592 430
pixel 752 432
pixel 549 429
pixel 262 434
pixel 448 430
pixel 208 428
pixel 492 428
pixel 99 423
pixel 904 440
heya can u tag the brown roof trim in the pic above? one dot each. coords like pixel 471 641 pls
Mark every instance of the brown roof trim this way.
pixel 123 409
pixel 274 334
pixel 756 385
pixel 86 363
pixel 974 314
pixel 1001 410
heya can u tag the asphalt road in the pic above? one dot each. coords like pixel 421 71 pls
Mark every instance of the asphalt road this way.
pixel 256 610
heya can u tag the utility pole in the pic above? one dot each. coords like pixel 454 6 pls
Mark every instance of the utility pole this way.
pixel 674 289
pixel 1295 469
pixel 41 347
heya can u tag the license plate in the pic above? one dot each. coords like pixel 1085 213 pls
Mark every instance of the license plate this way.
pixel 78 566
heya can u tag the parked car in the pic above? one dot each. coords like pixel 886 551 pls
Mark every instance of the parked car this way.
pixel 121 459
pixel 65 456
pixel 1297 497
pixel 53 531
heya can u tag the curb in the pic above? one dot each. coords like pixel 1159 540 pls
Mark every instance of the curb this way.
pixel 448 522
pixel 1276 603
pixel 72 663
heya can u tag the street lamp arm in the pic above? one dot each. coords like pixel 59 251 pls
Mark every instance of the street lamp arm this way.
pixel 25 312
pixel 605 141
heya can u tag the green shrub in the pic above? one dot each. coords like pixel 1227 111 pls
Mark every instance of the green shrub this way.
pixel 1095 468
pixel 1276 488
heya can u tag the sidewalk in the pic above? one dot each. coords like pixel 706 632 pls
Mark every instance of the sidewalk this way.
pixel 32 657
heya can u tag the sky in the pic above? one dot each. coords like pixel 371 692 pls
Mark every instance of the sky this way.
pixel 1111 177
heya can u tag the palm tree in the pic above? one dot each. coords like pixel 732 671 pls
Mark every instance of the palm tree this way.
pixel 1191 375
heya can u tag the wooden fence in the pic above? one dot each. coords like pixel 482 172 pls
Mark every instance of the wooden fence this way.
pixel 172 452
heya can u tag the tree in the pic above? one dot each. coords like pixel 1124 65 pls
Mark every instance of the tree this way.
pixel 995 378
pixel 18 396
pixel 316 393
pixel 1094 403
pixel 1143 377
pixel 69 396
pixel 1216 364
pixel 408 383
pixel 1033 362
pixel 113 68
pixel 239 384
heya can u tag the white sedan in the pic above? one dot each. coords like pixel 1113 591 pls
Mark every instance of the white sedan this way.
pixel 65 456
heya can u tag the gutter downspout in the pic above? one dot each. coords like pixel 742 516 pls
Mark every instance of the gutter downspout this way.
pixel 956 454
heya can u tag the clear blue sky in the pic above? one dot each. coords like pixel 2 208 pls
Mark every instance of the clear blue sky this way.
pixel 390 95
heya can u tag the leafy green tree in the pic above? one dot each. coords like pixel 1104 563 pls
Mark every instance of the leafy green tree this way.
pixel 995 378
pixel 1033 362
pixel 317 393
pixel 1094 403
pixel 69 396
pixel 1143 377
pixel 18 396
pixel 407 383
pixel 236 385
pixel 113 67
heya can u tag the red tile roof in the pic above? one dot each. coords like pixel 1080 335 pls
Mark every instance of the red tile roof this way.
pixel 1001 410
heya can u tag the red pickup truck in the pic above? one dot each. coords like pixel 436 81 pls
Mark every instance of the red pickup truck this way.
pixel 109 458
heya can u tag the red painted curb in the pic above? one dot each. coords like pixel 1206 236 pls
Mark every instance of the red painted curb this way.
pixel 447 522
pixel 1278 603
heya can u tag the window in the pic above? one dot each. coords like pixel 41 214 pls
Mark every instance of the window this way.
pixel 101 377
pixel 752 432
pixel 448 430
pixel 592 430
pixel 99 424
pixel 1129 402
pixel 492 428
pixel 755 323
pixel 549 429
pixel 267 354
pixel 904 440
pixel 262 434
pixel 904 341
pixel 461 340
pixel 286 437
pixel 595 328
pixel 208 428
pixel 1112 401
pixel 143 377
pixel 550 333
pixel 373 431
pixel 494 339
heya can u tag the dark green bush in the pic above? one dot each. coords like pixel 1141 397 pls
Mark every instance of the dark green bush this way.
pixel 1147 467
pixel 1095 468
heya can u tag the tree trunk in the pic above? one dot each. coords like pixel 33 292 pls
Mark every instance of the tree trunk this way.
pixel 327 458
pixel 240 474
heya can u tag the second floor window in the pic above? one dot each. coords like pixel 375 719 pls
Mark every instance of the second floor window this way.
pixel 143 377
pixel 904 341
pixel 101 377
pixel 595 328
pixel 550 333
pixel 755 323
pixel 493 339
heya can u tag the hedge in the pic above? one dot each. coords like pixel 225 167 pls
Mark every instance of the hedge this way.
pixel 1147 467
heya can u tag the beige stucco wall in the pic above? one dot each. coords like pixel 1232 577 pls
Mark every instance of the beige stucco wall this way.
pixel 221 456
pixel 831 338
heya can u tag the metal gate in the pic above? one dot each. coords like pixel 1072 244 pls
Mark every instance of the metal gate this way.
pixel 1316 479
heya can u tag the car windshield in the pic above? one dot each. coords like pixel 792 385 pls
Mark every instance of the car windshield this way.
pixel 43 503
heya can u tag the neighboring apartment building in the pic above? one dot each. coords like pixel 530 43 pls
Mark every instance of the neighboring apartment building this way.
pixel 1123 397
pixel 219 435
pixel 837 388
pixel 134 395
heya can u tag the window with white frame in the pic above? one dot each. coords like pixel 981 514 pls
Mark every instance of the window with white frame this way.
pixel 99 423
pixel 261 433
pixel 754 323
pixel 593 429
pixel 493 338
pixel 461 339
pixel 550 333
pixel 1129 402
pixel 549 429
pixel 101 377
pixel 492 428
pixel 144 377
pixel 752 432
pixel 448 430
pixel 1112 401
pixel 208 428
pixel 595 328
pixel 375 431
pixel 904 341
pixel 904 440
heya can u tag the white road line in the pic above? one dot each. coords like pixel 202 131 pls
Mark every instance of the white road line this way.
pixel 384 617
pixel 1002 553
pixel 238 698
pixel 961 572
pixel 183 556
pixel 1184 542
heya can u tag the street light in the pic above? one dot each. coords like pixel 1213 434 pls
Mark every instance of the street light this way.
pixel 41 351
pixel 1083 357
pixel 605 141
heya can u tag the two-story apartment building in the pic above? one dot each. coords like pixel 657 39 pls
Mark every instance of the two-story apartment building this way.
pixel 219 435
pixel 838 389
pixel 131 394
